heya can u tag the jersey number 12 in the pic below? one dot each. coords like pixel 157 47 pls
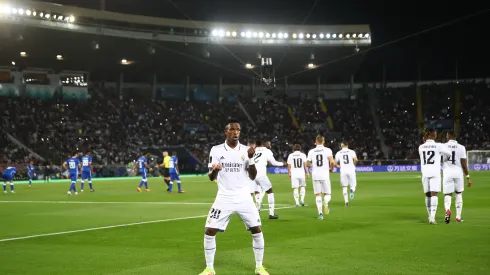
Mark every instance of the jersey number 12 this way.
pixel 429 157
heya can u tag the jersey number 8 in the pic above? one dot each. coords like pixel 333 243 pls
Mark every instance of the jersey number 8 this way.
pixel 319 160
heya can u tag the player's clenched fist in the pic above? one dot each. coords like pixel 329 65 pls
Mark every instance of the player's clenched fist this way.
pixel 216 167
pixel 251 152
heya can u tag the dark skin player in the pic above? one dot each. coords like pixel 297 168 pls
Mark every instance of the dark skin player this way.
pixel 232 132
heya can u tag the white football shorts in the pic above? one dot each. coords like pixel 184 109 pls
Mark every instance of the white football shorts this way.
pixel 452 184
pixel 220 214
pixel 254 187
pixel 264 183
pixel 322 186
pixel 298 182
pixel 348 179
pixel 431 184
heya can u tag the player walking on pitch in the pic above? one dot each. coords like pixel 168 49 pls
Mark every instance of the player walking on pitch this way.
pixel 298 173
pixel 262 156
pixel 322 163
pixel 452 180
pixel 347 160
pixel 255 190
pixel 430 161
pixel 231 163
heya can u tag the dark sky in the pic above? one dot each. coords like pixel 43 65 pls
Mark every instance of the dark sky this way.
pixel 438 52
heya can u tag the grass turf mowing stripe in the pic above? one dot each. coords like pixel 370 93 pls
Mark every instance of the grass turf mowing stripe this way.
pixel 110 226
pixel 122 202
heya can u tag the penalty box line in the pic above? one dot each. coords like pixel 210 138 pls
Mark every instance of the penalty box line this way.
pixel 110 227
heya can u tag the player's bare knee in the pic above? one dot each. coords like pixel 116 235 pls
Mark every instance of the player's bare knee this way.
pixel 255 230
pixel 450 194
pixel 458 192
pixel 211 231
pixel 428 194
pixel 433 193
pixel 269 191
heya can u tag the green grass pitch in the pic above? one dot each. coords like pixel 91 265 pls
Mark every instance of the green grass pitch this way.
pixel 384 231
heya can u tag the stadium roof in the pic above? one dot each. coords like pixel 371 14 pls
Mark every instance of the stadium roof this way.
pixel 102 55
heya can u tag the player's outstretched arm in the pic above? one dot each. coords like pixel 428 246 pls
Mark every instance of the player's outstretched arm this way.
pixel 252 170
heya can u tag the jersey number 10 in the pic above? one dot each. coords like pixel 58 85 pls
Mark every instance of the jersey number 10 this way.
pixel 298 163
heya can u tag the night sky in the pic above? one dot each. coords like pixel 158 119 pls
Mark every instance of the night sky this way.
pixel 437 52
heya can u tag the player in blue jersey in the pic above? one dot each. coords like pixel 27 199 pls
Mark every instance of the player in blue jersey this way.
pixel 143 166
pixel 8 175
pixel 173 166
pixel 87 171
pixel 72 164
pixel 30 172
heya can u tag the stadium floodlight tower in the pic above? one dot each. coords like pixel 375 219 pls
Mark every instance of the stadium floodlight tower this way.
pixel 267 73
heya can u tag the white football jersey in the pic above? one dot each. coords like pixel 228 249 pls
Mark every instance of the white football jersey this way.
pixel 430 157
pixel 318 157
pixel 345 158
pixel 262 157
pixel 452 164
pixel 233 183
pixel 297 160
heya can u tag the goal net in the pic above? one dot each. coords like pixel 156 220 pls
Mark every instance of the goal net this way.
pixel 479 160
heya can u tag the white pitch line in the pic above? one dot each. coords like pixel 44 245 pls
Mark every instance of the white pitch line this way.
pixel 109 227
pixel 120 202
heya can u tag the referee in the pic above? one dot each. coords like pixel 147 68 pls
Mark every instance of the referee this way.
pixel 166 172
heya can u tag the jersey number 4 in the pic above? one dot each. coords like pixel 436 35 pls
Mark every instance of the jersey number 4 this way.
pixel 452 158
pixel 429 157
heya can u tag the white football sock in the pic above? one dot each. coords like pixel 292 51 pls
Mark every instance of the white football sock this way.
pixel 209 250
pixel 302 193
pixel 459 205
pixel 434 201
pixel 326 199
pixel 319 204
pixel 427 205
pixel 296 196
pixel 270 198
pixel 447 202
pixel 258 247
pixel 344 193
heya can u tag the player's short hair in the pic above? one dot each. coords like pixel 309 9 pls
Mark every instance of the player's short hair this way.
pixel 230 121
pixel 296 147
pixel 251 142
pixel 345 142
pixel 452 133
pixel 259 143
pixel 174 153
pixel 88 152
pixel 428 132
pixel 320 139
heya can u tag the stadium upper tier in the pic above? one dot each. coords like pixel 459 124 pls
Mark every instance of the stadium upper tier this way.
pixel 117 125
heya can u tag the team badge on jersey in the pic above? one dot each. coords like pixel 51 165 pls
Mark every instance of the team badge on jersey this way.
pixel 243 157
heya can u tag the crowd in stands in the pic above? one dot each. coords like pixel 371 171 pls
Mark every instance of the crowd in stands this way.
pixel 116 127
